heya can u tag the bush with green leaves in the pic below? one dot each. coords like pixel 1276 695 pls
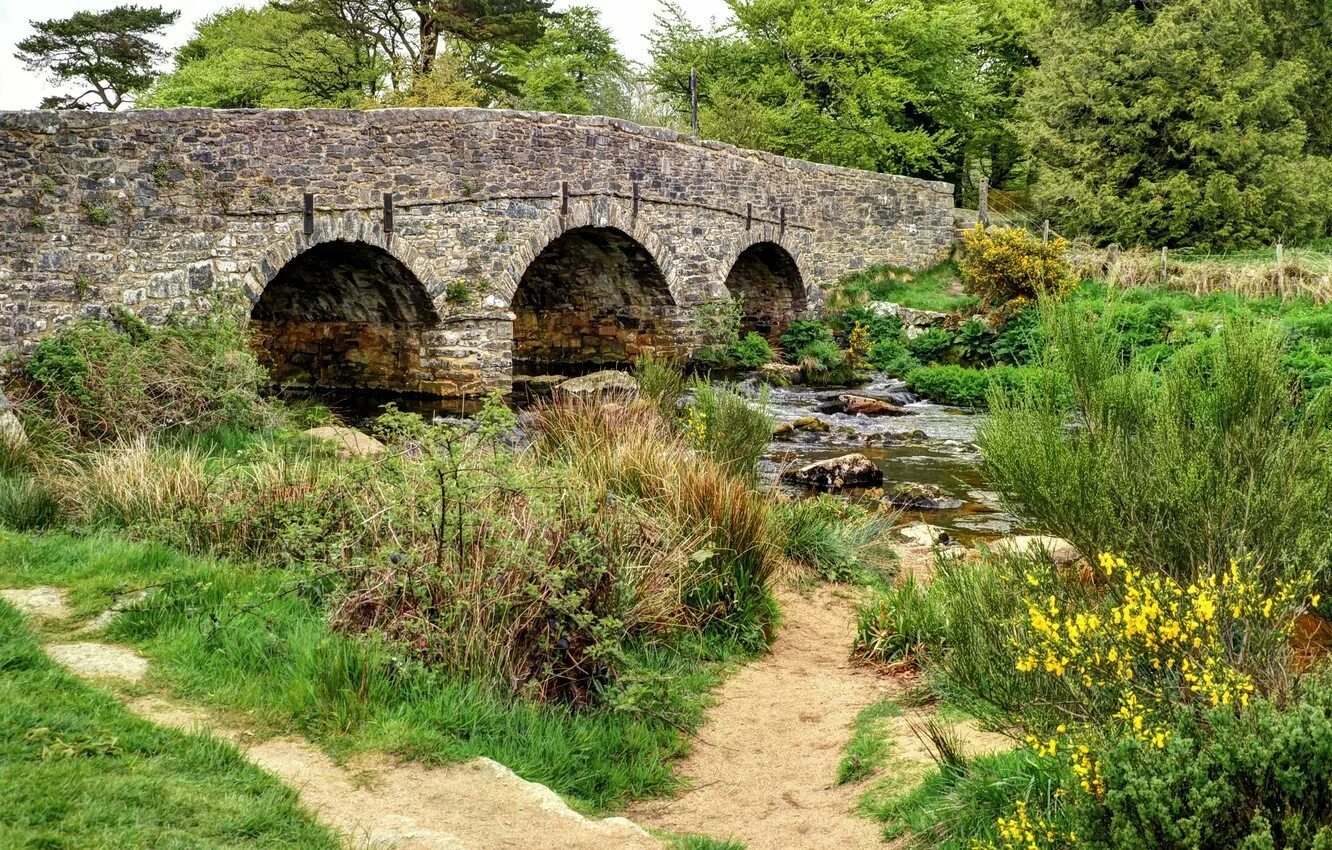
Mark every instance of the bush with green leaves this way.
pixel 932 346
pixel 878 327
pixel 900 622
pixel 730 428
pixel 751 351
pixel 964 387
pixel 1180 465
pixel 891 356
pixel 96 380
pixel 833 539
pixel 802 335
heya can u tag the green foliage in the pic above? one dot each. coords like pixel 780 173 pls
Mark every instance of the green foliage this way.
pixel 730 428
pixel 938 289
pixel 110 54
pixel 891 356
pixel 954 385
pixel 801 334
pixel 660 383
pixel 1001 265
pixel 1253 778
pixel 832 539
pixel 931 346
pixel 27 504
pixel 268 57
pixel 869 748
pixel 899 622
pixel 1182 465
pixel 892 85
pixel 97 381
pixel 136 783
pixel 1020 339
pixel 878 328
pixel 751 351
pixel 100 215
pixel 1185 128
pixel 974 342
pixel 574 68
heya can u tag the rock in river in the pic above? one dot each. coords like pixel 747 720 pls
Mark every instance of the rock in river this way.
pixel 863 405
pixel 924 534
pixel 853 470
pixel 921 497
pixel 605 382
pixel 350 442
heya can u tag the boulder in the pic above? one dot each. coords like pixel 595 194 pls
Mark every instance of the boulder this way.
pixel 863 405
pixel 811 423
pixel 921 497
pixel 853 470
pixel 1058 549
pixel 11 430
pixel 605 382
pixel 532 387
pixel 350 442
pixel 924 534
pixel 911 317
pixel 779 374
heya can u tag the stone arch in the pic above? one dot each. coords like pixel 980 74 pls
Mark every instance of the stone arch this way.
pixel 593 295
pixel 343 314
pixel 765 275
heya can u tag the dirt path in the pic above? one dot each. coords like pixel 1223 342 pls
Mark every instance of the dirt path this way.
pixel 376 801
pixel 764 768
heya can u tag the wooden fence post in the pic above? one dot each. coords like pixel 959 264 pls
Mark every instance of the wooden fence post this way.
pixel 1280 270
pixel 693 100
pixel 1045 232
pixel 1112 263
pixel 983 205
pixel 1165 258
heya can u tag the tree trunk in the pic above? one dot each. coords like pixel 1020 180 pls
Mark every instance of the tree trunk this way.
pixel 429 41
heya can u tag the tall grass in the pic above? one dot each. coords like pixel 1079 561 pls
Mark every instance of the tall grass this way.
pixel 661 383
pixel 1183 467
pixel 732 429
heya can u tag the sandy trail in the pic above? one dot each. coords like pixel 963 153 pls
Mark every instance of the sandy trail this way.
pixel 764 767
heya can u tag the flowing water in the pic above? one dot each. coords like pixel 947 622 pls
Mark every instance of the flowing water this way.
pixel 931 445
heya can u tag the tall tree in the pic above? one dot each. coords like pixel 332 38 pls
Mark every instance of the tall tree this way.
pixel 268 57
pixel 573 68
pixel 109 54
pixel 1172 123
pixel 890 85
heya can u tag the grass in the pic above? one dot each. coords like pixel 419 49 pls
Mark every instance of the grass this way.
pixel 868 748
pixel 938 289
pixel 238 638
pixel 77 770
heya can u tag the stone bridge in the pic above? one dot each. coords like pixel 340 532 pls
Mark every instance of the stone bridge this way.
pixel 432 250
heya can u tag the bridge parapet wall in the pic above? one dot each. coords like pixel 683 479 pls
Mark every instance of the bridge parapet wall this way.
pixel 165 211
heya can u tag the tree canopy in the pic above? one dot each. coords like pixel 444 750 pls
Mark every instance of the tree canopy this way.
pixel 109 55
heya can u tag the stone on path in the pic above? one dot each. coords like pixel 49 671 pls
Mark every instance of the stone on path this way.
pixel 350 442
pixel 99 660
pixel 42 602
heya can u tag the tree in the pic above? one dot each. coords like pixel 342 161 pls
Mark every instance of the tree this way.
pixel 573 68
pixel 111 54
pixel 887 85
pixel 267 57
pixel 1172 123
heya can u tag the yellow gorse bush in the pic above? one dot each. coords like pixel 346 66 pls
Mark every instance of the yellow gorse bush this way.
pixel 1134 655
pixel 1003 265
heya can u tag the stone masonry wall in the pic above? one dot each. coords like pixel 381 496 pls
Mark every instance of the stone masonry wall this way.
pixel 162 211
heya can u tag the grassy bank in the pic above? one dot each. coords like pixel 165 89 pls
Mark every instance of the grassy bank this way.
pixel 77 770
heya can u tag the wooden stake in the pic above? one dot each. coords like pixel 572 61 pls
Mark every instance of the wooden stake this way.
pixel 1281 269
pixel 1045 232
pixel 983 213
pixel 1165 258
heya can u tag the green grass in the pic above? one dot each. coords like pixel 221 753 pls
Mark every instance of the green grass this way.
pixel 936 289
pixel 702 842
pixel 77 770
pixel 239 638
pixel 869 748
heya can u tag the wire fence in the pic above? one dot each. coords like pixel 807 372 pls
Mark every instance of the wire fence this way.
pixel 1275 272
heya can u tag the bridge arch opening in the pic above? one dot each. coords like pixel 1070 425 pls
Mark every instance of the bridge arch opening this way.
pixel 767 281
pixel 343 315
pixel 594 296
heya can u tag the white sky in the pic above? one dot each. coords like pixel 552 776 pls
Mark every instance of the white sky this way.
pixel 629 20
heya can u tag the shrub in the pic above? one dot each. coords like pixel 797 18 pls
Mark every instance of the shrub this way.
pixel 1253 778
pixel 27 504
pixel 100 381
pixel 1004 264
pixel 661 383
pixel 751 351
pixel 728 427
pixel 1182 466
pixel 833 539
pixel 973 343
pixel 931 346
pixel 1020 340
pixel 892 357
pixel 876 326
pixel 801 334
pixel 955 385
pixel 899 623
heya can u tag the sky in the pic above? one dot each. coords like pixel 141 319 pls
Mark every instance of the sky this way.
pixel 629 20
